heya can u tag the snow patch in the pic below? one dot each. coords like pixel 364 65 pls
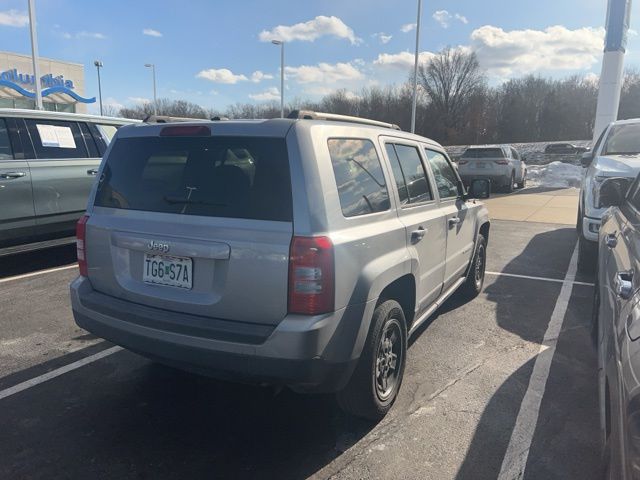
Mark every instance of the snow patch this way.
pixel 554 175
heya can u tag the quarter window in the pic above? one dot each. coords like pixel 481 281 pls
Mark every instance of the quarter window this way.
pixel 56 139
pixel 359 178
pixel 444 174
pixel 409 174
pixel 6 153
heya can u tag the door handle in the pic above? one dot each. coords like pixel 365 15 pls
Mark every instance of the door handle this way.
pixel 453 222
pixel 611 240
pixel 92 171
pixel 623 284
pixel 13 175
pixel 418 234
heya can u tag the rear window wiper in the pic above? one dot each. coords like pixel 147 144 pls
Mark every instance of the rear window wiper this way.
pixel 189 201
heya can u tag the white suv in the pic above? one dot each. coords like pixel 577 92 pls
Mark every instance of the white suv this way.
pixel 615 154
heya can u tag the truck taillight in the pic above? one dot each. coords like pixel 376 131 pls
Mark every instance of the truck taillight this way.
pixel 81 244
pixel 502 162
pixel 311 276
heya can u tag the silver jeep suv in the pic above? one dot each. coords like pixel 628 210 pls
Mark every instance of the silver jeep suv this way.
pixel 300 252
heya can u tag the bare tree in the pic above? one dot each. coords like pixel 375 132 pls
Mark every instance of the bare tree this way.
pixel 450 80
pixel 172 108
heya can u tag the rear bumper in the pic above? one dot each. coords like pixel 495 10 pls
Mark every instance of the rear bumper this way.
pixel 500 180
pixel 315 354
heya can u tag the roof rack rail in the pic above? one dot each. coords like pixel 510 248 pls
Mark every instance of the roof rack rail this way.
pixel 168 119
pixel 218 118
pixel 311 115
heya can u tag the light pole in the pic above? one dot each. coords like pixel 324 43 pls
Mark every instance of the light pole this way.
pixel 152 66
pixel 281 43
pixel 98 65
pixel 34 55
pixel 415 71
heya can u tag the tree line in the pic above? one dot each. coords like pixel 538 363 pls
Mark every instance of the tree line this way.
pixel 456 105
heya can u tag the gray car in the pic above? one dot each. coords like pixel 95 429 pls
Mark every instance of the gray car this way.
pixel 617 327
pixel 48 164
pixel 501 164
pixel 299 252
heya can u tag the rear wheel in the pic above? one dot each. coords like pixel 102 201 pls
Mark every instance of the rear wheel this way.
pixel 523 183
pixel 375 383
pixel 512 181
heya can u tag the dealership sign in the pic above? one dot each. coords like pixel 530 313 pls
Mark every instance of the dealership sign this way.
pixel 50 84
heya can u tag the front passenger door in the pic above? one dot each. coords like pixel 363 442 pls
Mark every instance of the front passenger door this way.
pixel 459 222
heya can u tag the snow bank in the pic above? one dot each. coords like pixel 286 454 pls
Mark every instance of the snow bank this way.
pixel 554 175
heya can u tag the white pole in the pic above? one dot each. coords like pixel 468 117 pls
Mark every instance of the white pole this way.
pixel 415 71
pixel 282 80
pixel 34 55
pixel 155 97
pixel 611 77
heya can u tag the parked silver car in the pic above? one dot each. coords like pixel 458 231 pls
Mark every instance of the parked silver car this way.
pixel 617 328
pixel 615 154
pixel 501 164
pixel 48 163
pixel 299 252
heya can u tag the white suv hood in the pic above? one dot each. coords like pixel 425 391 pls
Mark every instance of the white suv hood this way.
pixel 618 165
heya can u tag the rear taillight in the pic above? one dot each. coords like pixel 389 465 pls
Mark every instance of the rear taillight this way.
pixel 81 244
pixel 311 276
pixel 502 162
pixel 462 162
pixel 186 131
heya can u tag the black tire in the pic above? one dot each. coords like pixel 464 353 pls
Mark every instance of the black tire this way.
pixel 523 183
pixel 587 255
pixel 579 222
pixel 475 277
pixel 364 395
pixel 509 187
pixel 595 310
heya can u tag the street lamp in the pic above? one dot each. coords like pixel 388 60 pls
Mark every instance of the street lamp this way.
pixel 415 71
pixel 281 43
pixel 152 66
pixel 98 65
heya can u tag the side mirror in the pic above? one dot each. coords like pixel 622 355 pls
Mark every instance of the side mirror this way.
pixel 480 188
pixel 613 191
pixel 586 158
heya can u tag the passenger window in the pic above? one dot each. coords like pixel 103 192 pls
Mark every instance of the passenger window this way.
pixel 359 177
pixel 398 175
pixel 89 141
pixel 634 197
pixel 107 132
pixel 6 153
pixel 56 139
pixel 409 173
pixel 444 174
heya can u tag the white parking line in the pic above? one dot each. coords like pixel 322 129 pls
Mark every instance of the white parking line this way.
pixel 57 372
pixel 40 272
pixel 515 458
pixel 544 279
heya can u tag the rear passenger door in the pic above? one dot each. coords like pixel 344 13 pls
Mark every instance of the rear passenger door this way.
pixel 16 197
pixel 459 220
pixel 63 171
pixel 422 218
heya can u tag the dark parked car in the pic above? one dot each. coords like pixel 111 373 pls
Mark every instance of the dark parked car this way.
pixel 617 327
pixel 564 149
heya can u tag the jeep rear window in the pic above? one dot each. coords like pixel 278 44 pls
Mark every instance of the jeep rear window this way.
pixel 483 153
pixel 237 177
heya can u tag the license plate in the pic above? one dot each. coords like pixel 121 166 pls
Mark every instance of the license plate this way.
pixel 166 270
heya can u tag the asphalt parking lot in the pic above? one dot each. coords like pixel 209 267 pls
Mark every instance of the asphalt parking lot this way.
pixel 475 398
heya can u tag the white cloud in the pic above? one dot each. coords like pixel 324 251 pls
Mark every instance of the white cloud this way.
pixel 311 30
pixel 324 73
pixel 321 91
pixel 138 99
pixel 269 94
pixel 84 34
pixel 151 32
pixel 402 60
pixel 112 103
pixel 221 75
pixel 14 18
pixel 443 17
pixel 407 27
pixel 518 52
pixel 382 37
pixel 593 78
pixel 258 76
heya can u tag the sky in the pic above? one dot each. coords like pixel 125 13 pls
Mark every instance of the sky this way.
pixel 216 53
